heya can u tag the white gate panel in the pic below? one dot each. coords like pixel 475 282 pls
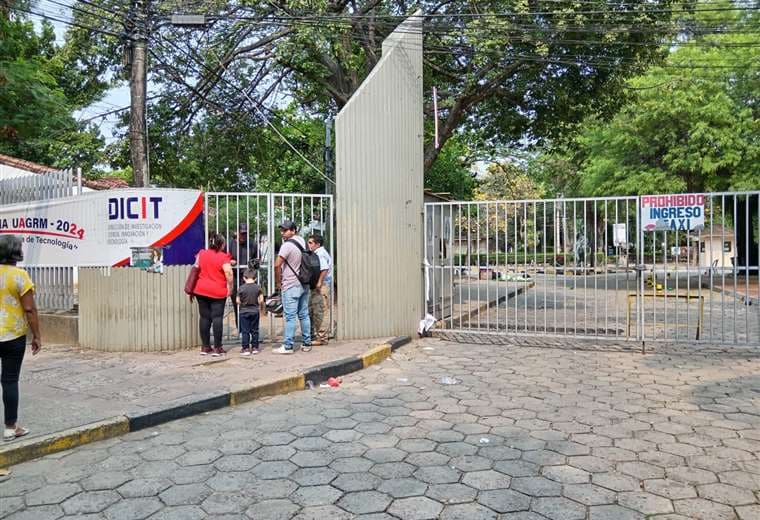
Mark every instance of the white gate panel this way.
pixel 603 268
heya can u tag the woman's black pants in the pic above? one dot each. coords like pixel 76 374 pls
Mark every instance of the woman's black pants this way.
pixel 12 355
pixel 212 314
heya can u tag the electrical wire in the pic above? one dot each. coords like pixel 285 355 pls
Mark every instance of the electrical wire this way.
pixel 67 22
pixel 74 8
pixel 198 61
pixel 266 120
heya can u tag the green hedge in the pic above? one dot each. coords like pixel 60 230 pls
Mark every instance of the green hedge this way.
pixel 502 259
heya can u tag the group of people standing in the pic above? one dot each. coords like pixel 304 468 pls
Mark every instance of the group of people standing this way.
pixel 220 275
pixel 223 273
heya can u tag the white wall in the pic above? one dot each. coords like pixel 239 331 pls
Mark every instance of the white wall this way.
pixel 10 172
pixel 379 172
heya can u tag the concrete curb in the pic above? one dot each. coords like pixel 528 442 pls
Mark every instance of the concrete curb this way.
pixel 33 448
pixel 277 386
pixel 27 449
pixel 198 404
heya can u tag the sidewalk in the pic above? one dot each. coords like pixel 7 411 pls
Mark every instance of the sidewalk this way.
pixel 64 387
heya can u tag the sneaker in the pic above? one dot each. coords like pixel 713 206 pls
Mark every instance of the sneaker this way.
pixel 255 350
pixel 218 351
pixel 306 348
pixel 283 350
pixel 245 352
pixel 205 351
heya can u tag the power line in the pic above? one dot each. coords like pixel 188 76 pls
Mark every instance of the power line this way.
pixel 453 30
pixel 75 8
pixel 401 18
pixel 67 22
pixel 263 117
pixel 218 75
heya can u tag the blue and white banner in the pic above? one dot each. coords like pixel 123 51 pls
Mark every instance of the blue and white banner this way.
pixel 99 228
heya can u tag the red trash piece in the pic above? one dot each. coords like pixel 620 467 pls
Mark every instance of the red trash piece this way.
pixel 333 382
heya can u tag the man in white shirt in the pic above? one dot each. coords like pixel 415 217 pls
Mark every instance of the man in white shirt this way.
pixel 319 301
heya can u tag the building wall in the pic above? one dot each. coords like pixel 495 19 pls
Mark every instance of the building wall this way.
pixel 10 172
pixel 714 253
pixel 379 189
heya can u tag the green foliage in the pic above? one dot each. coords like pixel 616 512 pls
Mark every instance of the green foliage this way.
pixel 502 80
pixel 696 131
pixel 451 172
pixel 39 91
pixel 507 180
pixel 230 152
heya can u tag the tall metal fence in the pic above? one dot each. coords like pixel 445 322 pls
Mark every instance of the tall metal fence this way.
pixel 250 224
pixel 33 187
pixel 622 268
pixel 142 312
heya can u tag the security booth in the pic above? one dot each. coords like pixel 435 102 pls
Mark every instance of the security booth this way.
pixel 715 248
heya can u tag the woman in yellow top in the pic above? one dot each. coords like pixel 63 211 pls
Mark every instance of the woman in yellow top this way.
pixel 18 313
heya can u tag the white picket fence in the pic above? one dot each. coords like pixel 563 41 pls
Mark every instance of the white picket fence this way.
pixel 39 186
pixel 56 287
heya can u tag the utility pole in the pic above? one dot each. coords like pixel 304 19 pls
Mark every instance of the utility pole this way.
pixel 138 128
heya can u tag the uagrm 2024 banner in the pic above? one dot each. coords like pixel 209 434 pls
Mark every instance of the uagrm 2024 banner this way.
pixel 99 228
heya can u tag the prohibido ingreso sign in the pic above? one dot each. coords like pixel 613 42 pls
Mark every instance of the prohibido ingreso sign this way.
pixel 685 212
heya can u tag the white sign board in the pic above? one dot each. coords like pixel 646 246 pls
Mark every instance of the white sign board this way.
pixel 619 235
pixel 99 228
pixel 684 212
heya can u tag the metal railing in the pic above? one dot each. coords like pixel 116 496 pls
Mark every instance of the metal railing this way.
pixel 56 287
pixel 260 214
pixel 55 184
pixel 587 267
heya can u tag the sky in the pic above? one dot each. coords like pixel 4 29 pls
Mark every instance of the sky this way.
pixel 117 97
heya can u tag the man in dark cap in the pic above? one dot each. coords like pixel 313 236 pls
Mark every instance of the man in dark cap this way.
pixel 295 297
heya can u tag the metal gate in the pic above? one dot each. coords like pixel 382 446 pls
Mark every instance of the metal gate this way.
pixel 258 215
pixel 620 268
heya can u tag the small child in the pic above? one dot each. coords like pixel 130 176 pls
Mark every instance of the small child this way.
pixel 251 302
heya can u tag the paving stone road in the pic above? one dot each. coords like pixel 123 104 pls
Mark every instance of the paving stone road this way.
pixel 526 434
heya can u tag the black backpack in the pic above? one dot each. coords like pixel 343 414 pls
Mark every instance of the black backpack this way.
pixel 309 274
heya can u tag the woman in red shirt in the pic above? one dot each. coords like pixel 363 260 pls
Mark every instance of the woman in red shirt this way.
pixel 212 290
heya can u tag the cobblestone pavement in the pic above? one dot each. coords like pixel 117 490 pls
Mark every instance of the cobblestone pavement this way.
pixel 527 433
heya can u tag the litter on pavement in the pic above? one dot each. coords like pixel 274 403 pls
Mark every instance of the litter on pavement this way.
pixel 426 324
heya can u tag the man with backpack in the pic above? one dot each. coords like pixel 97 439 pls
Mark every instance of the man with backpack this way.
pixel 294 272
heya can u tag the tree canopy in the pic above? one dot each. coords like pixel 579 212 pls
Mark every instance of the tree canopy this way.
pixel 239 102
pixel 688 132
pixel 39 92
pixel 509 72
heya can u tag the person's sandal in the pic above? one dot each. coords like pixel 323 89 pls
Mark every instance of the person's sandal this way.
pixel 10 434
